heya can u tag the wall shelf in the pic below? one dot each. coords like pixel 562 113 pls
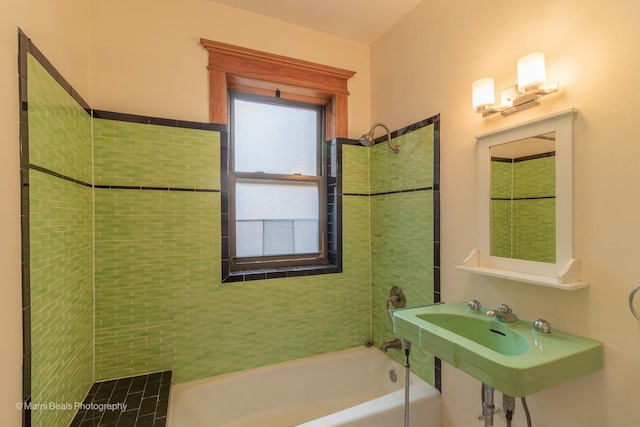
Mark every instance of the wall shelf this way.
pixel 566 280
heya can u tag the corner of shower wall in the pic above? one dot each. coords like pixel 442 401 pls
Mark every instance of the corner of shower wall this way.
pixel 57 239
pixel 404 229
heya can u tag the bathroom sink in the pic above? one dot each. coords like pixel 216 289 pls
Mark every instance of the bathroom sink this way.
pixel 510 357
pixel 486 332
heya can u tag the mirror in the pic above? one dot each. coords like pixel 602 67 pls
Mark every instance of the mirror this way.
pixel 525 201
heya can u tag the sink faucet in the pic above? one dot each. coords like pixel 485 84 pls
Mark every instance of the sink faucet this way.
pixel 386 345
pixel 504 314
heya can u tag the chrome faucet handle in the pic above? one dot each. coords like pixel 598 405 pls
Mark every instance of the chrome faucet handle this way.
pixel 542 326
pixel 474 305
pixel 504 314
pixel 504 308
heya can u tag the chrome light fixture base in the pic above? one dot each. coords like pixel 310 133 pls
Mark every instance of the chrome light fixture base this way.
pixel 520 101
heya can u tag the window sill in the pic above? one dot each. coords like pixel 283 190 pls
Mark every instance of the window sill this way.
pixel 278 273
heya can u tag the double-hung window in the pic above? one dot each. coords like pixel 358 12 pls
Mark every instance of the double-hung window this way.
pixel 277 189
pixel 281 207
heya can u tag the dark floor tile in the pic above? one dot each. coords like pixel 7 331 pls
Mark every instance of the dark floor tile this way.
pixel 93 389
pixel 124 383
pixel 133 401
pixel 145 421
pixel 138 384
pixel 164 391
pixel 128 419
pixel 161 409
pixel 141 401
pixel 77 420
pixel 119 395
pixel 157 376
pixel 109 416
pixel 151 389
pixel 166 377
pixel 105 390
pixel 93 414
pixel 148 405
pixel 90 423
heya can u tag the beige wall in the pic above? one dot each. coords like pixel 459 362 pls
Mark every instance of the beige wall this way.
pixel 146 56
pixel 60 30
pixel 139 57
pixel 443 46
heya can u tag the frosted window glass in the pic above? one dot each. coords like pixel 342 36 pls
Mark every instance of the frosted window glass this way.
pixel 249 236
pixel 275 138
pixel 276 218
pixel 278 238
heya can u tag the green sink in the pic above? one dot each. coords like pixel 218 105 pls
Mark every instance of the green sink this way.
pixel 510 357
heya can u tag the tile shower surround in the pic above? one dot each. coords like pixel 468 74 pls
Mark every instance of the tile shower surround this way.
pixel 188 350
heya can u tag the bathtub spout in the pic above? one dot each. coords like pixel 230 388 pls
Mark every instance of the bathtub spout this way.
pixel 386 345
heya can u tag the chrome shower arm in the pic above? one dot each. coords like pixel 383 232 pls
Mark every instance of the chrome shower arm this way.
pixel 367 139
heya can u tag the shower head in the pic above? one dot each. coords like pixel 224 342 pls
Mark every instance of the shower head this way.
pixel 368 138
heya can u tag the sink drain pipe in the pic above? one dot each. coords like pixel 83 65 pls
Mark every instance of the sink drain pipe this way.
pixel 407 372
pixel 508 403
pixel 487 405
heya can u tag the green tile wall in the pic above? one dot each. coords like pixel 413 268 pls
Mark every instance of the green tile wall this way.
pixel 155 156
pixel 411 168
pixel 59 128
pixel 355 170
pixel 402 233
pixel 159 300
pixel 61 238
pixel 523 221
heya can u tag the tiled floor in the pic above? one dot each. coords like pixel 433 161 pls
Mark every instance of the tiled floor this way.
pixel 140 401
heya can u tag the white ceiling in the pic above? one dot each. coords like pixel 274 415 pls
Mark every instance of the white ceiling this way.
pixel 362 21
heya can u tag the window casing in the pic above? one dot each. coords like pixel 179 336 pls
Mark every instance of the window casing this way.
pixel 277 188
pixel 235 68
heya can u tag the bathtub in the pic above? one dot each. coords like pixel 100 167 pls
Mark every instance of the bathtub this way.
pixel 348 388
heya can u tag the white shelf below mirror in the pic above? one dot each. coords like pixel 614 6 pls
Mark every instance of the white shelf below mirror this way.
pixel 525 200
pixel 567 279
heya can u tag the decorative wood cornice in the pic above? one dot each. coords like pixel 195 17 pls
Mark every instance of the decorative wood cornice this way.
pixel 248 70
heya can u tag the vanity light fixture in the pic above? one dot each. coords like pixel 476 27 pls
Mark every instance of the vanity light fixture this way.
pixel 527 93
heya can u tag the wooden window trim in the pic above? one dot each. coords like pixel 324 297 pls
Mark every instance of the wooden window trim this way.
pixel 247 70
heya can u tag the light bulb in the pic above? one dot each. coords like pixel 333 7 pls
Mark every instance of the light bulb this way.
pixel 531 72
pixel 483 93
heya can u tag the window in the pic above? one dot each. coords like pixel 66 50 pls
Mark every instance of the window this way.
pixel 276 184
pixel 278 234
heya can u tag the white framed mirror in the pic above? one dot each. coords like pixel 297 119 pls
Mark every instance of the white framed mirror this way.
pixel 525 200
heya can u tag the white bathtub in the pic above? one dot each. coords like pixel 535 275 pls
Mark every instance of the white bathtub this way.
pixel 346 388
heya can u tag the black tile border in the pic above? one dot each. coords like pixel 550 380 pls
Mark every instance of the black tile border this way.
pixel 59 175
pixel 386 193
pixel 524 158
pixel 24 45
pixel 158 121
pixel 39 56
pixel 435 120
pixel 140 187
